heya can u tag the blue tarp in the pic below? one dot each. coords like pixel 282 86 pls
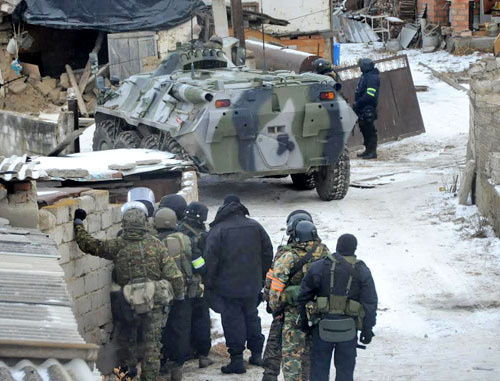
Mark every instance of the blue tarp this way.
pixel 111 15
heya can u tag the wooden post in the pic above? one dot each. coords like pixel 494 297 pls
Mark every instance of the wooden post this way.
pixel 78 94
pixel 466 182
pixel 237 21
pixel 84 80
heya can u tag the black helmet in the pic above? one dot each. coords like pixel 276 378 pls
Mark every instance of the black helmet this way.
pixel 197 211
pixel 305 231
pixel 366 65
pixel 297 211
pixel 174 202
pixel 294 220
pixel 322 66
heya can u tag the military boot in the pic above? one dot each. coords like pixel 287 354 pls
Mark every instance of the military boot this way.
pixel 370 155
pixel 176 373
pixel 362 154
pixel 256 359
pixel 204 361
pixel 235 366
pixel 268 377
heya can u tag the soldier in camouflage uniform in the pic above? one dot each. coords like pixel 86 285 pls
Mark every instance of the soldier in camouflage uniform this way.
pixel 272 353
pixel 177 333
pixel 136 255
pixel 289 270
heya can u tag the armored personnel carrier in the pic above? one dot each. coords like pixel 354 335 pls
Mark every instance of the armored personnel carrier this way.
pixel 234 121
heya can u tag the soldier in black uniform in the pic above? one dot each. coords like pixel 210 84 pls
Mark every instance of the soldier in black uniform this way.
pixel 365 105
pixel 193 225
pixel 346 301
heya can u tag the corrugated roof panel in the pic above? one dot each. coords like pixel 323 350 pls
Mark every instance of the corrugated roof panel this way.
pixel 50 370
pixel 20 169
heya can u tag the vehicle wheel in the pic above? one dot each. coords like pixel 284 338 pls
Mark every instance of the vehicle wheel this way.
pixel 150 142
pixel 103 136
pixel 128 139
pixel 303 181
pixel 332 181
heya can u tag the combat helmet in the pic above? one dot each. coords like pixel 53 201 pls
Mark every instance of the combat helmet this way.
pixel 175 202
pixel 134 215
pixel 305 231
pixel 165 218
pixel 197 211
pixel 294 219
pixel 322 66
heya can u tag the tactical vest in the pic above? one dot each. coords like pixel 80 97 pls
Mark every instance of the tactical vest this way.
pixel 338 304
pixel 299 270
pixel 179 248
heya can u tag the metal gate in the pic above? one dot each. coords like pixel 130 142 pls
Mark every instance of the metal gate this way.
pixel 126 51
pixel 398 109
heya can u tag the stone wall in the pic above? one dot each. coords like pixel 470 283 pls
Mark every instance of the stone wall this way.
pixel 484 137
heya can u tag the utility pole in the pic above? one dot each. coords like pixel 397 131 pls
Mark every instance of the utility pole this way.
pixel 237 21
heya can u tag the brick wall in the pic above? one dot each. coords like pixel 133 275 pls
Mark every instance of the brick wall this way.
pixel 459 16
pixel 437 10
pixel 484 137
pixel 88 277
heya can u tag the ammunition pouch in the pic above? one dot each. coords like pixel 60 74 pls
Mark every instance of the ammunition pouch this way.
pixel 337 330
pixel 164 292
pixel 340 305
pixel 290 295
pixel 140 296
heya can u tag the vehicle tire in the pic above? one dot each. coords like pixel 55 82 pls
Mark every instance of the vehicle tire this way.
pixel 150 142
pixel 127 139
pixel 303 181
pixel 103 135
pixel 332 181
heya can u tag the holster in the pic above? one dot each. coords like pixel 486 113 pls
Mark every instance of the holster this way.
pixel 337 330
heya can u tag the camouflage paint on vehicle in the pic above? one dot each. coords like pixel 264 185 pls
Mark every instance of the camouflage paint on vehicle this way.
pixel 232 120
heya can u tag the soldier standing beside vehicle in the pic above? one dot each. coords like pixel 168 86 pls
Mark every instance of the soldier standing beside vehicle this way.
pixel 193 225
pixel 272 352
pixel 323 67
pixel 365 106
pixel 141 263
pixel 289 270
pixel 345 301
pixel 176 335
pixel 238 254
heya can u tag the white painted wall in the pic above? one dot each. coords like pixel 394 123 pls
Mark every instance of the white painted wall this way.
pixel 303 15
pixel 181 33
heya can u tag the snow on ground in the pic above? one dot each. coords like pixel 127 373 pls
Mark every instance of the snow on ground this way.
pixel 439 308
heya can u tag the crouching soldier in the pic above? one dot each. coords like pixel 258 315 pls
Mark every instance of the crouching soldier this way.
pixel 289 269
pixel 143 268
pixel 337 298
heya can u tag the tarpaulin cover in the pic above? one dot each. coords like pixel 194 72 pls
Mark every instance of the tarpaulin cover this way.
pixel 111 15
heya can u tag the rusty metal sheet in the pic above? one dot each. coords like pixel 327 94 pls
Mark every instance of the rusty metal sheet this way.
pixel 398 109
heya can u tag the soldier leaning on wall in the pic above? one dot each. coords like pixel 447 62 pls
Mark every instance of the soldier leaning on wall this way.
pixel 143 268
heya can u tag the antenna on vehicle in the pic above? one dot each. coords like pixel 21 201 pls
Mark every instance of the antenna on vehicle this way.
pixel 192 38
pixel 263 37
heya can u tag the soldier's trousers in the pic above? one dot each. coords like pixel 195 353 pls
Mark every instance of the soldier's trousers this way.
pixel 272 353
pixel 241 324
pixel 143 334
pixel 296 348
pixel 200 327
pixel 369 132
pixel 321 356
pixel 176 334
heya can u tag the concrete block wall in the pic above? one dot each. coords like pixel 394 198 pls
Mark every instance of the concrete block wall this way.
pixel 88 277
pixel 484 137
pixel 18 204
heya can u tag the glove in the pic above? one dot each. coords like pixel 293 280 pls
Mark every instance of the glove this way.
pixel 366 336
pixel 303 323
pixel 268 308
pixel 80 215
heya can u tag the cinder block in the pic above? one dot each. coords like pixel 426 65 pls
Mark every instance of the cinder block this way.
pixel 103 315
pixel 46 220
pixel 60 211
pixel 94 222
pixel 116 213
pixel 105 276
pixel 87 203
pixel 89 321
pixel 82 266
pixel 69 252
pixel 56 234
pixel 69 269
pixel 83 306
pixel 101 198
pixel 106 219
pixel 93 263
pixel 76 288
pixel 68 232
pixel 91 281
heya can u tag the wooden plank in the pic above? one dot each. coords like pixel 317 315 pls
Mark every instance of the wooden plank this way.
pixel 67 141
pixel 84 80
pixel 497 46
pixel 445 78
pixel 74 85
pixel 466 183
